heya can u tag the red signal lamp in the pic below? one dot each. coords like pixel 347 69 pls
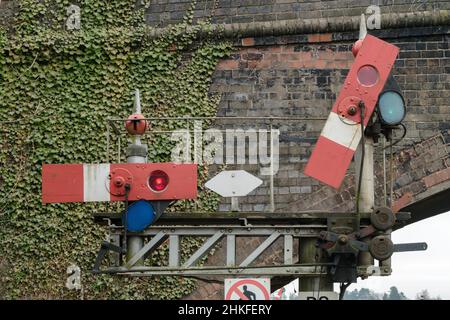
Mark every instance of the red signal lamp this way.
pixel 158 180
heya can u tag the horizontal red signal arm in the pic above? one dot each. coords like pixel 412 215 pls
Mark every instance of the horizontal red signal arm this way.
pixel 341 134
pixel 106 182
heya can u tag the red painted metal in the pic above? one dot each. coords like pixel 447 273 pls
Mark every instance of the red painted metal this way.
pixel 378 54
pixel 62 183
pixel 182 184
pixel 66 182
pixel 329 162
pixel 332 154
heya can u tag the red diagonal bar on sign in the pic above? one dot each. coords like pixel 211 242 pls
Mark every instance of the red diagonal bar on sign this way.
pixel 341 134
pixel 235 287
pixel 240 294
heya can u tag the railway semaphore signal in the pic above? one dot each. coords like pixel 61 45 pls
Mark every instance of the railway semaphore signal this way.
pixel 147 189
pixel 363 90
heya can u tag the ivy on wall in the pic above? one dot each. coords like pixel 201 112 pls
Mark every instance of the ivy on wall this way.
pixel 57 88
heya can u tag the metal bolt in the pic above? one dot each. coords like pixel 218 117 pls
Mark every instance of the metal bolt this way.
pixel 351 111
pixel 343 239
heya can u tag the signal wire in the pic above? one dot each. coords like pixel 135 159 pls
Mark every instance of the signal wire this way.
pixel 363 141
pixel 398 140
pixel 125 225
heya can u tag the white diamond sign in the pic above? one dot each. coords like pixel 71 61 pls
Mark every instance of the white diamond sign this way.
pixel 233 183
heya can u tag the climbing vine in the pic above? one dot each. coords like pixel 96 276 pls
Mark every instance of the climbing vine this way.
pixel 57 88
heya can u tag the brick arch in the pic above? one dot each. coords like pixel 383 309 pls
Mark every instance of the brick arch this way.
pixel 300 76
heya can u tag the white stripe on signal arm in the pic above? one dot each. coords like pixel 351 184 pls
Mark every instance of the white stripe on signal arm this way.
pixel 95 178
pixel 342 131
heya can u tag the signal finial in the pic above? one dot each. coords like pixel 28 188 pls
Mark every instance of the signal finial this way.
pixel 362 27
pixel 136 124
pixel 137 102
pixel 362 34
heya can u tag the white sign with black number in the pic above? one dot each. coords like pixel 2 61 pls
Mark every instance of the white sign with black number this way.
pixel 318 295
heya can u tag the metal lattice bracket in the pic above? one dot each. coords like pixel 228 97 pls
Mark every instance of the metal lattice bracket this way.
pixel 227 229
pixel 171 235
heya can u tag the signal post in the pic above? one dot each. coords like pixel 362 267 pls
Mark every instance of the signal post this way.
pixel 136 153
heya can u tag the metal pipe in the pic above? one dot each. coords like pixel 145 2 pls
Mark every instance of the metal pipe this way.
pixel 137 102
pixel 272 197
pixel 135 243
pixel 384 173
pixel 386 265
pixel 308 254
pixel 367 196
pixel 224 118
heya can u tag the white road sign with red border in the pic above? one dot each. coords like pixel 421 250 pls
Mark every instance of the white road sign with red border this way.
pixel 247 289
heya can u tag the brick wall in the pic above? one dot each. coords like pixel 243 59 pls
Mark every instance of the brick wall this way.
pixel 163 12
pixel 299 76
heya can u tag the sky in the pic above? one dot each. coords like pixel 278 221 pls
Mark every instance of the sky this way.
pixel 414 271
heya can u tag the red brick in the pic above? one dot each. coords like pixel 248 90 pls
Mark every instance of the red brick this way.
pixel 290 56
pixel 272 56
pixel 288 48
pixel 228 64
pixel 402 202
pixel 318 64
pixel 320 37
pixel 437 177
pixel 274 49
pixel 296 64
pixel 252 64
pixel 248 42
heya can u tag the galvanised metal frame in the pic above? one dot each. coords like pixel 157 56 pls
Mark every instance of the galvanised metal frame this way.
pixel 170 229
pixel 161 235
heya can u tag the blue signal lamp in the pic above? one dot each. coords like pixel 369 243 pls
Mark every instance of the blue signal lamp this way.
pixel 142 214
pixel 391 104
